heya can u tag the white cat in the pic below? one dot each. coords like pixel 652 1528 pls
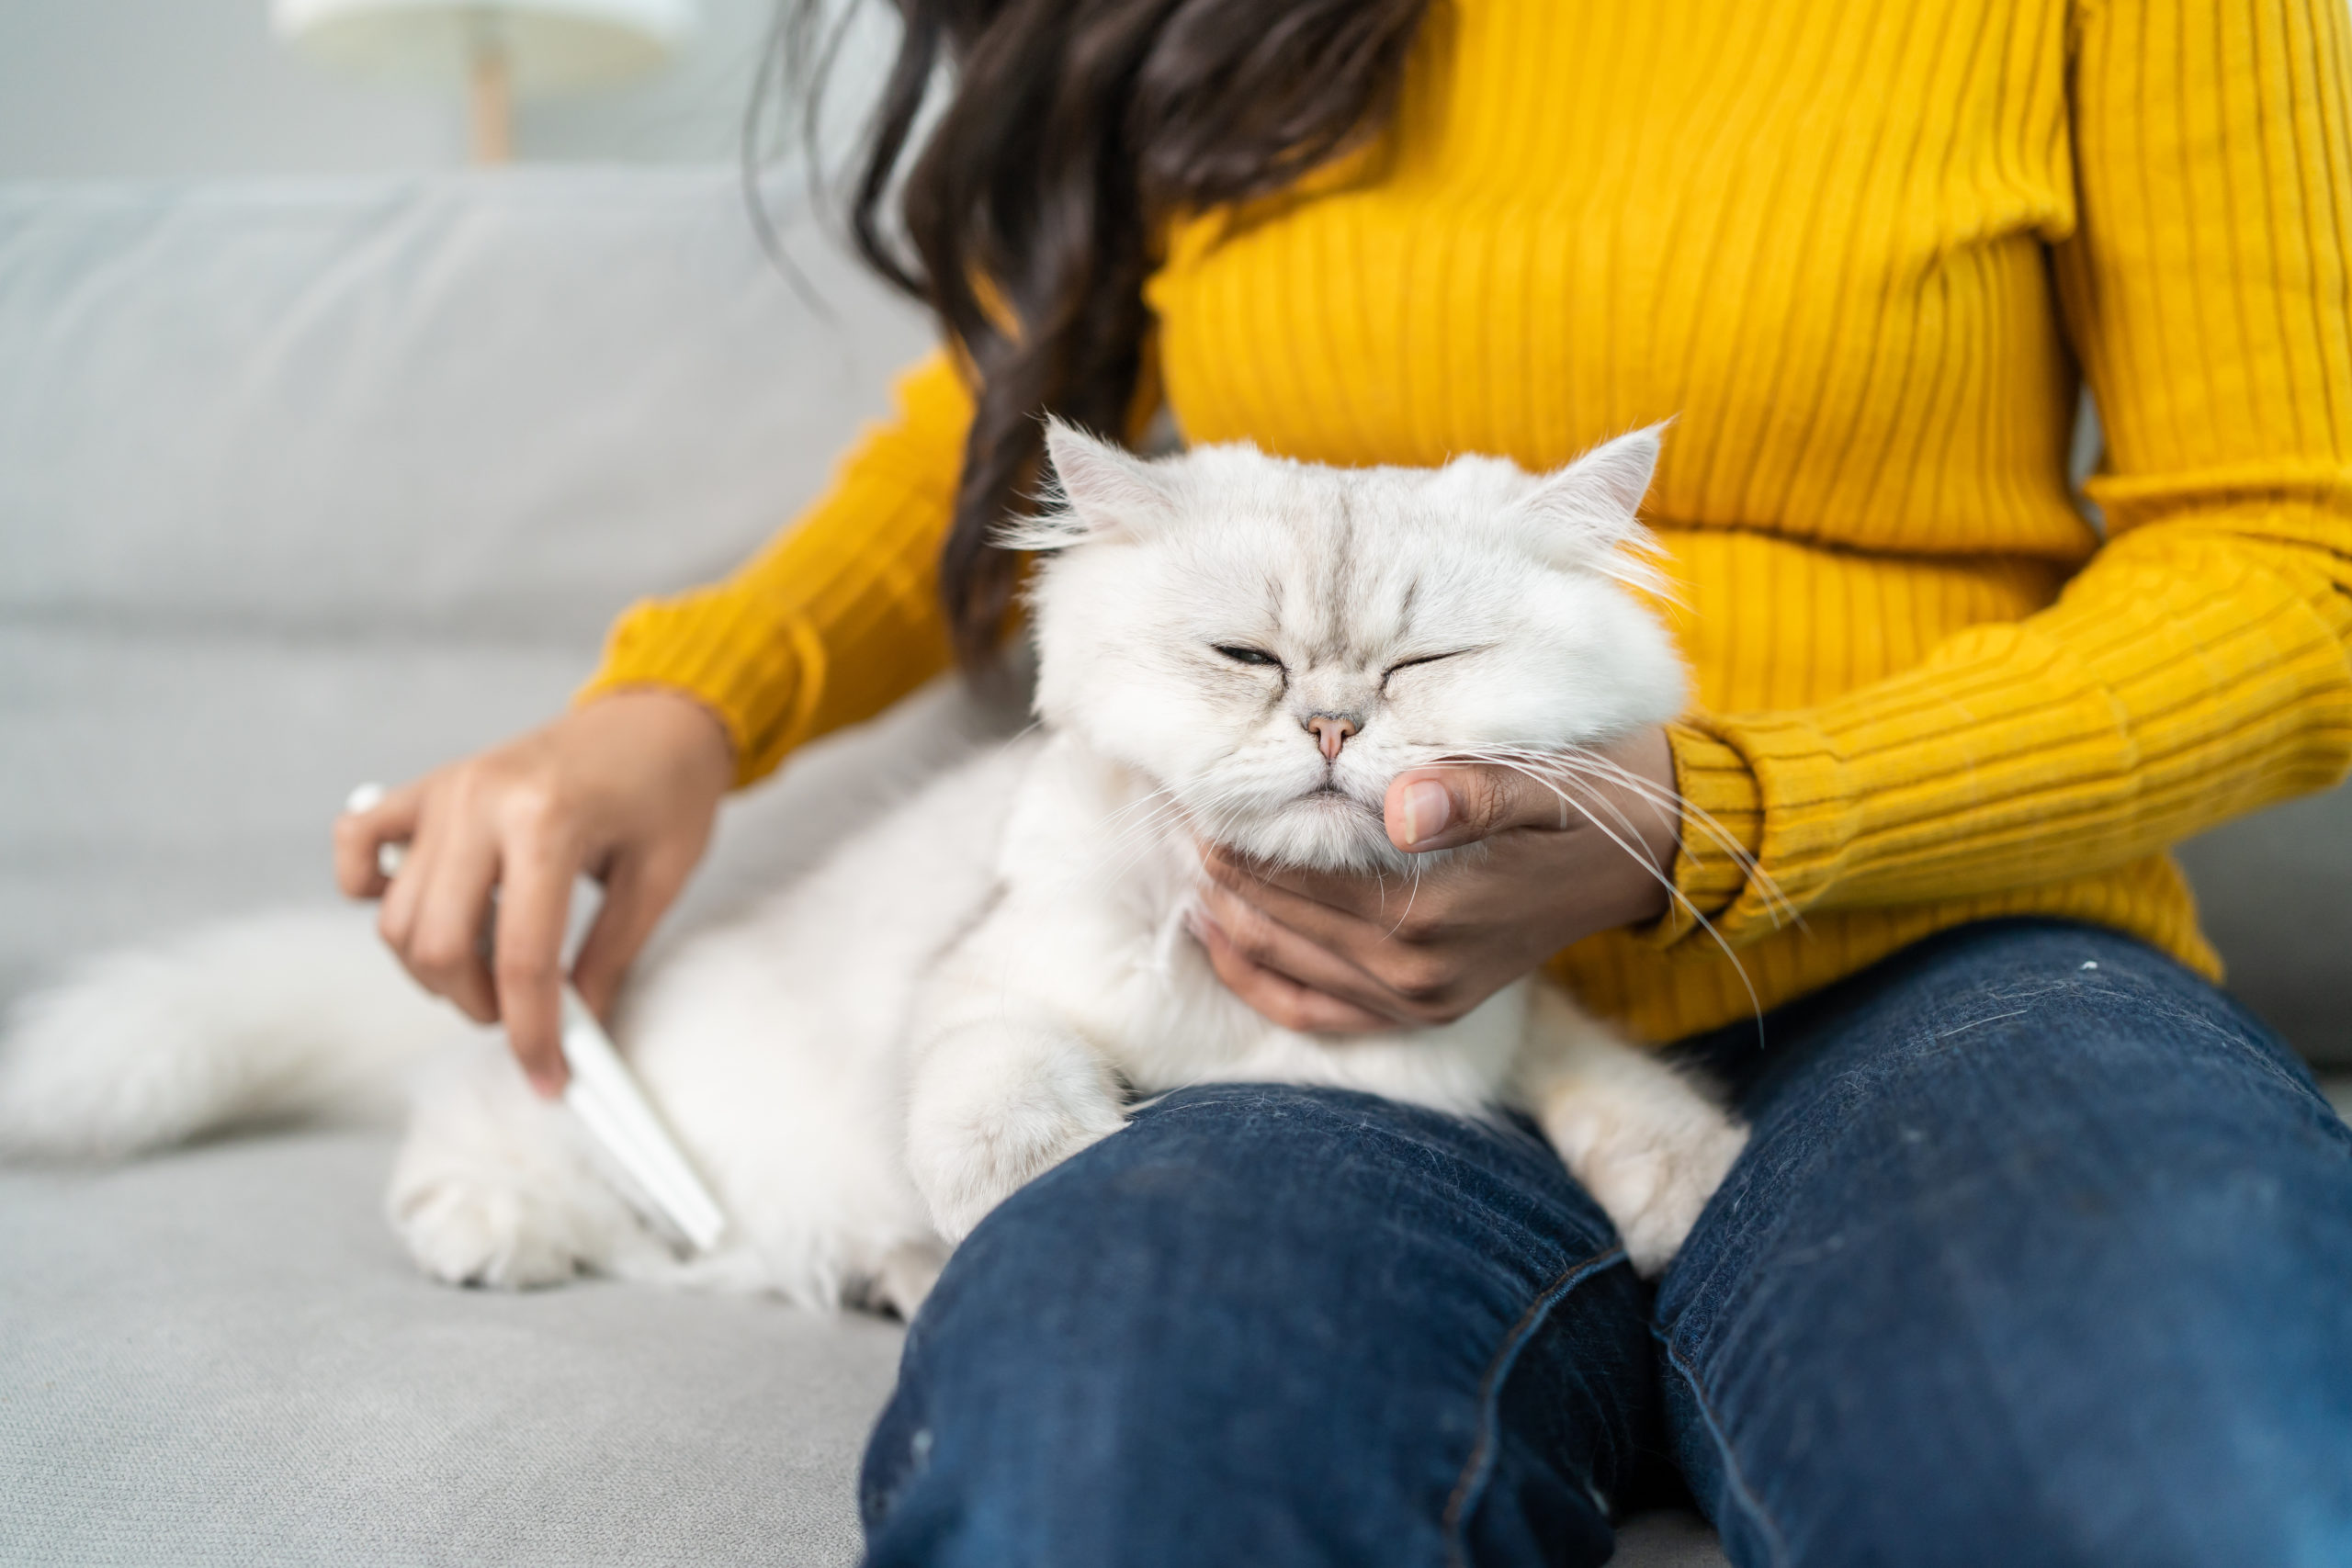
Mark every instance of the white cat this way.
pixel 975 988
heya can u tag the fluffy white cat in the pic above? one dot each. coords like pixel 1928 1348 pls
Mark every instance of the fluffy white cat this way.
pixel 977 986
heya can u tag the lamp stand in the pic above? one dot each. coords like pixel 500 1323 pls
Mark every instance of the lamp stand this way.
pixel 490 97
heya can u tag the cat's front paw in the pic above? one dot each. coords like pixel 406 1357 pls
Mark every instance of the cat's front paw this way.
pixel 466 1231
pixel 491 1186
pixel 1654 1189
pixel 965 1172
pixel 993 1110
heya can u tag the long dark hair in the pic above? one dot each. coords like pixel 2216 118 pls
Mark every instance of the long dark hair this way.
pixel 1073 132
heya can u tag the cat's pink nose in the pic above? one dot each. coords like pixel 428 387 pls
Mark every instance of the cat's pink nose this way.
pixel 1331 731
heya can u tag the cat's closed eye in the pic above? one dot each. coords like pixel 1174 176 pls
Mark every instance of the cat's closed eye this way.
pixel 1421 658
pixel 1242 653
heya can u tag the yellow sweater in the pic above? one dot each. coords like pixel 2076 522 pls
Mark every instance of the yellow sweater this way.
pixel 1859 252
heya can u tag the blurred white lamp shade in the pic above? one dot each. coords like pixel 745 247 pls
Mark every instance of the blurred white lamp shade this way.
pixel 499 47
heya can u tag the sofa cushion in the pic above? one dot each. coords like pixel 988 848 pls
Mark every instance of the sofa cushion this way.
pixel 222 1356
pixel 500 401
pixel 2274 891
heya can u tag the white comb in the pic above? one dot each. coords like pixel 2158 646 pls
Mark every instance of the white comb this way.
pixel 604 1096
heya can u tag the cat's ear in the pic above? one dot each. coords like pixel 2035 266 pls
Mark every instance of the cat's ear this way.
pixel 1601 489
pixel 1105 491
pixel 1584 515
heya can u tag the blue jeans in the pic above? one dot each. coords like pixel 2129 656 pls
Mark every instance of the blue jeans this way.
pixel 2041 1253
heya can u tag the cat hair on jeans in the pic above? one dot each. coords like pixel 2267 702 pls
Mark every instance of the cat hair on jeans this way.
pixel 1230 645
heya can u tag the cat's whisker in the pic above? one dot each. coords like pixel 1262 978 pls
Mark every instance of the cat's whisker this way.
pixel 1635 783
pixel 1210 818
pixel 1777 906
pixel 1150 815
pixel 1640 857
pixel 1140 837
pixel 1538 768
pixel 1412 891
pixel 1674 894
pixel 1142 815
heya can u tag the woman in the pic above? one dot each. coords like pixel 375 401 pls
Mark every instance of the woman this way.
pixel 2037 1253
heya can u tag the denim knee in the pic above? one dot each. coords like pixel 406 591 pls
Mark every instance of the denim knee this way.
pixel 2036 1258
pixel 1262 1324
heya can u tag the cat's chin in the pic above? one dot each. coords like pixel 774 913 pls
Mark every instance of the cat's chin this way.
pixel 1326 831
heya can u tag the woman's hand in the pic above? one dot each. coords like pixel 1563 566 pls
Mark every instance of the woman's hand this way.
pixel 624 789
pixel 1335 954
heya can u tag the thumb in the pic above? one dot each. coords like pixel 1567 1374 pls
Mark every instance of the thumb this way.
pixel 1438 808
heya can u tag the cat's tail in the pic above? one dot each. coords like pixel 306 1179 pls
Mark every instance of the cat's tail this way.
pixel 288 1016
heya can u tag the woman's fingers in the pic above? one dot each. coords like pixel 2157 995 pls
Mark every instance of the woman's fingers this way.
pixel 629 783
pixel 1445 808
pixel 404 897
pixel 434 911
pixel 1282 999
pixel 1376 901
pixel 1350 914
pixel 359 838
pixel 1373 986
pixel 1386 960
pixel 534 906
pixel 1626 792
pixel 443 947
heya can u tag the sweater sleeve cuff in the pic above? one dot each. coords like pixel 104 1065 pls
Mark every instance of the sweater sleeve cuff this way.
pixel 1723 828
pixel 726 653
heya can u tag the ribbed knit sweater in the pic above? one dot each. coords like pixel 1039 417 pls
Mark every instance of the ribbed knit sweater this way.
pixel 1861 253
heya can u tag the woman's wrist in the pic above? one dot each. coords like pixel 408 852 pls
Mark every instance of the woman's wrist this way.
pixel 672 722
pixel 1653 812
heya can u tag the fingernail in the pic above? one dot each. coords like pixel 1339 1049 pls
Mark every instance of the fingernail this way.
pixel 1428 809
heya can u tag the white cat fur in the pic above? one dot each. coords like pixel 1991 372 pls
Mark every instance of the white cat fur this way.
pixel 975 988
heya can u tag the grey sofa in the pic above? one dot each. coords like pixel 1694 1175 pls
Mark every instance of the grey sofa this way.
pixel 306 483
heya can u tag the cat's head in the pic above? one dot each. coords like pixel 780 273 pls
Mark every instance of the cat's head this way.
pixel 1273 641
